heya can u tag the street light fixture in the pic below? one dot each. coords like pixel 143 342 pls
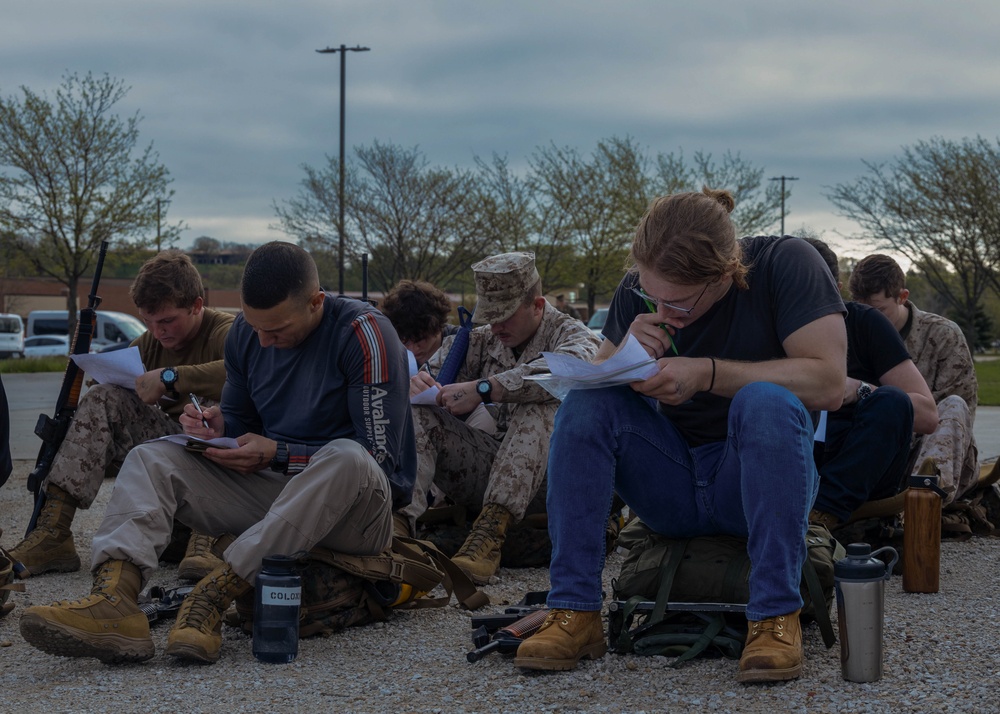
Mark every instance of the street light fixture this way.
pixel 343 50
pixel 783 179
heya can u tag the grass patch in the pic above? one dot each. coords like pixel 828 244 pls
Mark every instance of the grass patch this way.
pixel 33 364
pixel 988 375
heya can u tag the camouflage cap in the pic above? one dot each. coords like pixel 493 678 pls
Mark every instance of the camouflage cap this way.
pixel 502 284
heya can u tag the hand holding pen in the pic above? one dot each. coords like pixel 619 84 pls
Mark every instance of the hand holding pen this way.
pixel 201 412
pixel 652 308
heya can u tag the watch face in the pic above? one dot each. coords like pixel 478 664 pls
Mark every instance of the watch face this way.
pixel 483 387
pixel 168 376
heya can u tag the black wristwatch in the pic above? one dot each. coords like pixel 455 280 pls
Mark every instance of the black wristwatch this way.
pixel 484 388
pixel 864 390
pixel 169 378
pixel 280 461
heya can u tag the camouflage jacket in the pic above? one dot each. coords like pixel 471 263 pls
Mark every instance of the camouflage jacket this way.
pixel 487 357
pixel 941 353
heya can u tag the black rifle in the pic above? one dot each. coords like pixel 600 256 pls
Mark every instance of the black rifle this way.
pixel 162 603
pixel 52 430
pixel 507 639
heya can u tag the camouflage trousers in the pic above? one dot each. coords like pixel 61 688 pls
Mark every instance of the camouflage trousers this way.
pixel 108 423
pixel 953 448
pixel 474 468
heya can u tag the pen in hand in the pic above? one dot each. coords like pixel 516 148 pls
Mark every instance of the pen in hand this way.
pixel 197 405
pixel 652 308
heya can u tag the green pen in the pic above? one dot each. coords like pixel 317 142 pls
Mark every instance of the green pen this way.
pixel 652 308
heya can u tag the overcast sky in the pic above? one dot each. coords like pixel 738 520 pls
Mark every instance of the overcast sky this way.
pixel 235 98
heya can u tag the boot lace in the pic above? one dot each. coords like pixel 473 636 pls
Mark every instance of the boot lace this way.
pixel 203 607
pixel 482 539
pixel 771 624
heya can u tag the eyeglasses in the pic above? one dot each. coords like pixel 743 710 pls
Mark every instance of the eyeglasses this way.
pixel 652 303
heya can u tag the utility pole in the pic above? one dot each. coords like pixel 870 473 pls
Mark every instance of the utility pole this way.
pixel 343 50
pixel 783 179
pixel 158 202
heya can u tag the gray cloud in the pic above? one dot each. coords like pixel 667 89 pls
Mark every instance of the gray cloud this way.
pixel 235 98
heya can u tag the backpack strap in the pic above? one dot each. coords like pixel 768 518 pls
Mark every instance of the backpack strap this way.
pixel 819 603
pixel 667 573
pixel 416 563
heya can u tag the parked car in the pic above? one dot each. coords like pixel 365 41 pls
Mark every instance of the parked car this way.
pixel 111 328
pixel 46 346
pixel 11 336
pixel 597 320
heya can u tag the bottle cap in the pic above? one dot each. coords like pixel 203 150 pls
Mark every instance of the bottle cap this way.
pixel 926 481
pixel 278 562
pixel 859 564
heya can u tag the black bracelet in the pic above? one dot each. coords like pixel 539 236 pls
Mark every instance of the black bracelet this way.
pixel 713 374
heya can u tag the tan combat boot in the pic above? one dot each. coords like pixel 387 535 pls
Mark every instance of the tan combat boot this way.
pixel 199 560
pixel 197 634
pixel 479 556
pixel 564 639
pixel 107 624
pixel 773 651
pixel 49 548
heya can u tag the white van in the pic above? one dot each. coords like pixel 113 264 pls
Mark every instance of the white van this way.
pixel 11 336
pixel 112 327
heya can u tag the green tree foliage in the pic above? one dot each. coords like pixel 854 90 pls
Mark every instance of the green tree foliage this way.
pixel 758 202
pixel 576 211
pixel 73 177
pixel 593 204
pixel 939 205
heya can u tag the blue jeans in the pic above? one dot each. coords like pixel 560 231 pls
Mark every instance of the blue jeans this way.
pixel 866 453
pixel 759 483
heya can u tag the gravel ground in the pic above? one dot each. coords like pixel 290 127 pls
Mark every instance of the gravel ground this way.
pixel 934 660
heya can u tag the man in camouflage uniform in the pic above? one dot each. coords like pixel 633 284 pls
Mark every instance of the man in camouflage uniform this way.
pixel 501 473
pixel 182 351
pixel 941 353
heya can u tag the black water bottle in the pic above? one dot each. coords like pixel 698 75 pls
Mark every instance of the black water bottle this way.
pixel 276 610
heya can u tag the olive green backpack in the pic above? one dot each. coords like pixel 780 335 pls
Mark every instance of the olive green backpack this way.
pixel 686 596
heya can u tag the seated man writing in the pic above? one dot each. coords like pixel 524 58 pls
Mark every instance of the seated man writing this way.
pixel 182 351
pixel 866 448
pixel 501 473
pixel 749 337
pixel 316 396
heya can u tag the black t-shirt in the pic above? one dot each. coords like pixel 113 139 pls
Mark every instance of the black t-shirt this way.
pixel 790 286
pixel 873 348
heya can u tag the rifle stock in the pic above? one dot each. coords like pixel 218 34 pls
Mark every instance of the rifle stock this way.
pixel 52 430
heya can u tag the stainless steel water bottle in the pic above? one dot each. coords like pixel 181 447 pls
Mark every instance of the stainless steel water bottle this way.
pixel 860 585
pixel 278 593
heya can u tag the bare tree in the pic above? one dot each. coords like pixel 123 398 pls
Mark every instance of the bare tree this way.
pixel 758 203
pixel 593 203
pixel 74 178
pixel 939 205
pixel 414 220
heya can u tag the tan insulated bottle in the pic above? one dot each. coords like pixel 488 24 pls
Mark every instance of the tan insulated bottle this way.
pixel 922 531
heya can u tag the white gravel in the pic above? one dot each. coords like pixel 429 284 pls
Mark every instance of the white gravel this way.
pixel 941 655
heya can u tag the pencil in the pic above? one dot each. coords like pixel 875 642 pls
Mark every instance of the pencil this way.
pixel 652 308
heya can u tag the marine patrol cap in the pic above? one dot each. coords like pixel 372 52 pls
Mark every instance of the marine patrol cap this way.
pixel 502 284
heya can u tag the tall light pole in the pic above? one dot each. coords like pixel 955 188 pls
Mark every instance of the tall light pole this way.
pixel 783 179
pixel 343 50
pixel 158 202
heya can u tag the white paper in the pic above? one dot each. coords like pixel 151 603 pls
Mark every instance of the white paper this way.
pixel 630 364
pixel 820 434
pixel 221 442
pixel 427 397
pixel 121 367
pixel 413 363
